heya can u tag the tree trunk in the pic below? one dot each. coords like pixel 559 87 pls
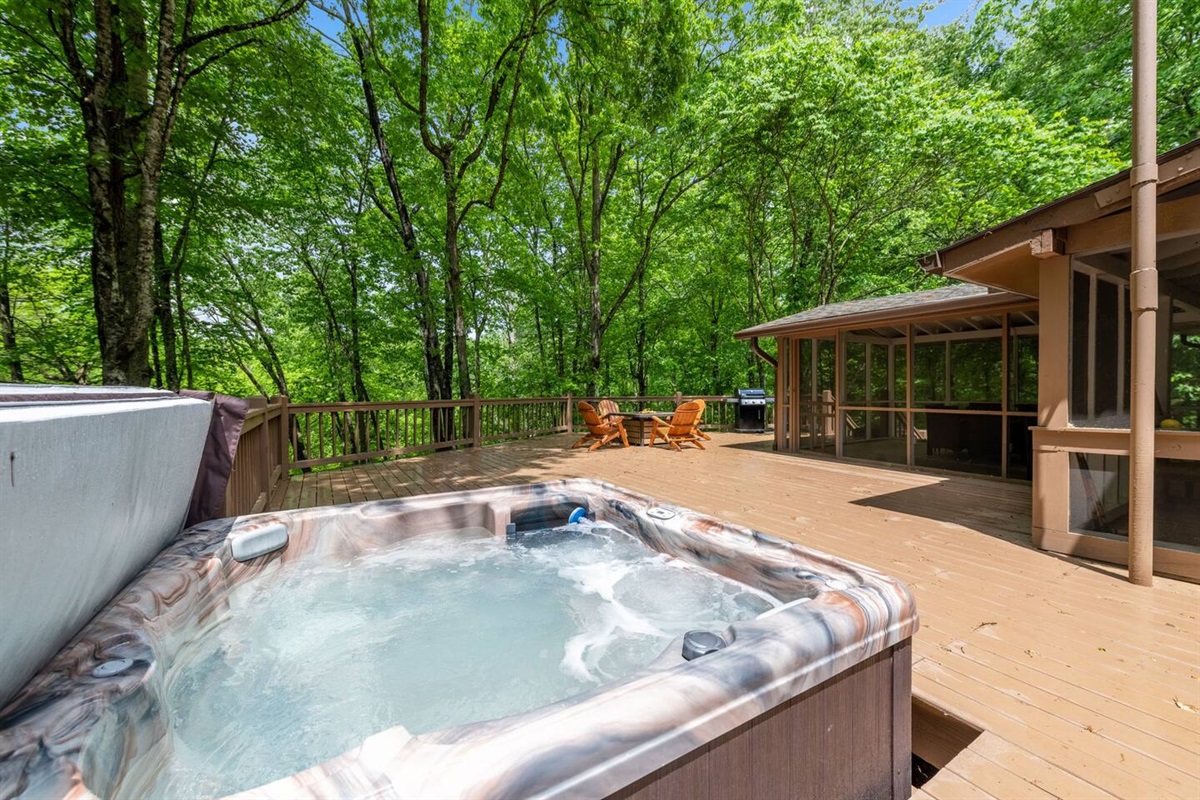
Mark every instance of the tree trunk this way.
pixel 162 306
pixel 8 333
pixel 8 328
pixel 128 116
pixel 437 383
pixel 454 283
pixel 592 261
pixel 155 361
pixel 640 341
pixel 181 313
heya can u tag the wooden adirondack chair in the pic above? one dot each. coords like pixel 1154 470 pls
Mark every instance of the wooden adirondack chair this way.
pixel 600 431
pixel 681 429
pixel 607 408
pixel 699 417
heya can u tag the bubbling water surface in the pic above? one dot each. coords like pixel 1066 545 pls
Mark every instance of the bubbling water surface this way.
pixel 440 629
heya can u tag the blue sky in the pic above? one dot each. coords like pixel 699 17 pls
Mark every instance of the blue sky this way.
pixel 944 11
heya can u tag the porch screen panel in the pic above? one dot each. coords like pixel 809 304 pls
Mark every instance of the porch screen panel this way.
pixel 880 356
pixel 975 368
pixel 805 347
pixel 1184 360
pixel 1107 393
pixel 826 365
pixel 1099 493
pixel 1099 498
pixel 1100 338
pixel 871 417
pixel 1176 501
pixel 929 373
pixel 1081 288
pixel 958 442
pixel 899 375
pixel 1022 372
pixel 856 374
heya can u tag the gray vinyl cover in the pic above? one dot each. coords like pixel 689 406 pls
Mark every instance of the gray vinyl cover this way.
pixel 93 483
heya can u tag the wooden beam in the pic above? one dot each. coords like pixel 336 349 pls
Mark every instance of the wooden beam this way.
pixel 1181 260
pixel 1181 271
pixel 1113 264
pixel 1176 219
pixel 1171 174
pixel 1178 292
pixel 1173 248
pixel 1048 243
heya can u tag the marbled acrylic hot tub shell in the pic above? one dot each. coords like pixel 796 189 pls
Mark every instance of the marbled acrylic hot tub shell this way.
pixel 68 734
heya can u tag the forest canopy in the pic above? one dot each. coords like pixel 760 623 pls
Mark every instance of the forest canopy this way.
pixel 392 199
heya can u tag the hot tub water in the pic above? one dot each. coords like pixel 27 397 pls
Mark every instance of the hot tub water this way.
pixel 435 631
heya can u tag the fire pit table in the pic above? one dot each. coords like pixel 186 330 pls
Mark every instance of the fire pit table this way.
pixel 638 424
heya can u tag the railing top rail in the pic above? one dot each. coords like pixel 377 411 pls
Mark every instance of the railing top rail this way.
pixel 653 398
pixel 518 401
pixel 459 403
pixel 380 405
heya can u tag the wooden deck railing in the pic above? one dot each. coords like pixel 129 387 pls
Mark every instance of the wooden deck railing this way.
pixel 279 436
pixel 261 459
pixel 344 433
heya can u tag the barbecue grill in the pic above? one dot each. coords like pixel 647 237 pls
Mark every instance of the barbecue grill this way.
pixel 751 410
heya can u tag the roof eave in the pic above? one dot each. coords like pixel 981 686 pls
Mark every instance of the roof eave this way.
pixel 981 302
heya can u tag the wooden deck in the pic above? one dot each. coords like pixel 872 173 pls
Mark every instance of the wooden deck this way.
pixel 1083 685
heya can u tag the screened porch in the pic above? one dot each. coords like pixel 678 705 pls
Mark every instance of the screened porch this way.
pixel 956 393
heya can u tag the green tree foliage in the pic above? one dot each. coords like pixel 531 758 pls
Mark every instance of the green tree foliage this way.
pixel 385 199
pixel 1071 59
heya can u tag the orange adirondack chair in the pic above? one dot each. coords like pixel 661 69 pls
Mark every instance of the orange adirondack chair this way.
pixel 681 429
pixel 607 408
pixel 699 417
pixel 600 432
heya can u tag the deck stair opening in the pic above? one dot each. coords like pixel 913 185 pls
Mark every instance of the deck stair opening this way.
pixel 937 737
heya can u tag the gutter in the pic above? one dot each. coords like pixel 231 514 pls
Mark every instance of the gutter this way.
pixel 763 354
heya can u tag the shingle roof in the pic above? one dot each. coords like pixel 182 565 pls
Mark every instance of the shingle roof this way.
pixel 836 313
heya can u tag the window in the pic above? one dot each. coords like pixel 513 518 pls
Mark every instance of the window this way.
pixel 1099 497
pixel 856 374
pixel 1023 372
pixel 1184 369
pixel 975 372
pixel 1099 493
pixel 958 442
pixel 878 356
pixel 929 373
pixel 1099 384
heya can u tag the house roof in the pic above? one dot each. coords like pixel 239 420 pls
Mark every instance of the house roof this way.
pixel 1007 256
pixel 958 300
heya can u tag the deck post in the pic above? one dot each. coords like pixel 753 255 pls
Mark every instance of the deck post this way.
pixel 1143 181
pixel 910 436
pixel 839 391
pixel 1004 360
pixel 476 421
pixel 285 428
pixel 263 482
pixel 678 399
pixel 569 420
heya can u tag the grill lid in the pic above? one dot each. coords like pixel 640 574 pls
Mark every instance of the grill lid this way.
pixel 751 397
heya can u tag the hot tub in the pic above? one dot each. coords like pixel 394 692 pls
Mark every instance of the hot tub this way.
pixel 796 684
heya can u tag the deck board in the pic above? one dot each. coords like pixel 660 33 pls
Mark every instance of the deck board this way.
pixel 1082 683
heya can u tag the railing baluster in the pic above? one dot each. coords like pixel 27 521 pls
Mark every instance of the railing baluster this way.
pixel 367 431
